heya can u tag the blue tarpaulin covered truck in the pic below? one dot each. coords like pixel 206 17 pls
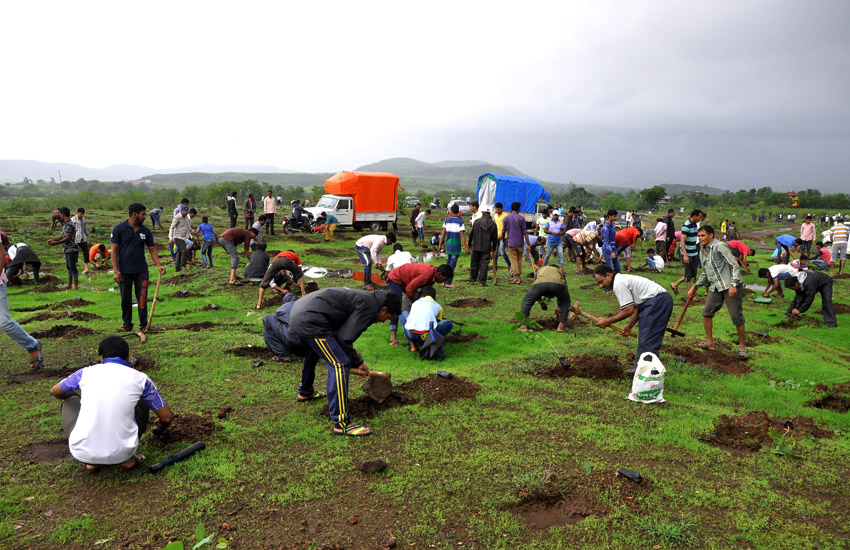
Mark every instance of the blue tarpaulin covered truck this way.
pixel 493 188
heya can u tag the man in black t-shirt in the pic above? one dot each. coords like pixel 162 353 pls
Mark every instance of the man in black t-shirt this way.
pixel 671 234
pixel 130 267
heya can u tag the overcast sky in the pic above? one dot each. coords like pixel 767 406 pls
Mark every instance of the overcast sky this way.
pixel 729 94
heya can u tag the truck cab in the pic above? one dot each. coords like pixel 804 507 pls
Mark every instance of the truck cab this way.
pixel 341 206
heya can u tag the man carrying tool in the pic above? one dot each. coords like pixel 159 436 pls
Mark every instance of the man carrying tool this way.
pixel 369 249
pixel 130 269
pixel 69 247
pixel 231 239
pixel 327 323
pixel 7 325
pixel 549 282
pixel 483 240
pixel 643 301
pixel 276 328
pixel 721 275
pixel 105 408
pixel 807 284
pixel 406 280
pixel 288 263
pixel 424 314
pixel 690 250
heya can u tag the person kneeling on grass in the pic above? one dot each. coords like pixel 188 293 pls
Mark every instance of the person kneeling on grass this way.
pixel 424 314
pixel 807 284
pixel 549 282
pixel 327 323
pixel 257 265
pixel 654 261
pixel 105 408
pixel 276 328
pixel 407 280
pixel 98 257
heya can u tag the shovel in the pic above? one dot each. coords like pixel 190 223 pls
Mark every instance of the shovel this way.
pixel 675 330
pixel 576 310
pixel 378 387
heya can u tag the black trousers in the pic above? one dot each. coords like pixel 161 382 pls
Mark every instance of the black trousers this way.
pixel 270 223
pixel 233 221
pixel 479 265
pixel 181 255
pixel 140 282
pixel 548 290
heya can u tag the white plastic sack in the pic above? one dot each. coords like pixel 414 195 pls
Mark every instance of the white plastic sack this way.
pixel 648 383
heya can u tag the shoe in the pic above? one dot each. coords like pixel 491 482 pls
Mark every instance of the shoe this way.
pixel 125 328
pixel 37 361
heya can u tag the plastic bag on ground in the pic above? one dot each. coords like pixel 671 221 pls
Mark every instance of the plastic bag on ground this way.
pixel 648 382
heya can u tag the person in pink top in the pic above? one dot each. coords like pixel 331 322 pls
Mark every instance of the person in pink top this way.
pixel 807 234
pixel 741 251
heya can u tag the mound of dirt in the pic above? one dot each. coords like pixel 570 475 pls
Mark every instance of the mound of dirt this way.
pixel 198 327
pixel 365 407
pixel 320 252
pixel 142 364
pixel 273 301
pixel 804 320
pixel 753 339
pixel 471 302
pixel 835 398
pixel 46 451
pixel 588 365
pixel 250 351
pixel 72 303
pixel 46 288
pixel 187 428
pixel 211 307
pixel 750 432
pixel 49 280
pixel 63 331
pixel 39 374
pixel 435 389
pixel 724 361
pixel 78 316
pixel 186 294
pixel 460 337
pixel 176 279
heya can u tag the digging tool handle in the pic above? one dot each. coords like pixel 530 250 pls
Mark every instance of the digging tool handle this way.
pixel 375 373
pixel 682 315
pixel 614 327
pixel 155 294
pixel 177 457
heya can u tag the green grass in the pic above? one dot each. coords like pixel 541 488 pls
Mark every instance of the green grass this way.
pixel 455 469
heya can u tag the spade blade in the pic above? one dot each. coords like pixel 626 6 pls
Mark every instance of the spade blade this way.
pixel 378 388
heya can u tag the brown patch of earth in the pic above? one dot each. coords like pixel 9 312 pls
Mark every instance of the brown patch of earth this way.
pixel 841 276
pixel 63 331
pixel 366 407
pixel 142 364
pixel 46 288
pixel 72 303
pixel 78 316
pixel 841 308
pixel 250 351
pixel 274 301
pixel 186 428
pixel 46 451
pixel 750 432
pixel 588 365
pixel 759 235
pixel 835 398
pixel 804 320
pixel 460 338
pixel 300 239
pixel 186 294
pixel 180 278
pixel 753 339
pixel 320 252
pixel 197 327
pixel 471 302
pixel 211 307
pixel 717 360
pixel 39 374
pixel 342 236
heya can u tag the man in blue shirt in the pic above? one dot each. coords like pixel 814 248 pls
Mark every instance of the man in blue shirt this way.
pixel 210 239
pixel 786 243
pixel 130 268
pixel 609 246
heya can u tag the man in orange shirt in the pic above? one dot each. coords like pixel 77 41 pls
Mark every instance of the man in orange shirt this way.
pixel 625 240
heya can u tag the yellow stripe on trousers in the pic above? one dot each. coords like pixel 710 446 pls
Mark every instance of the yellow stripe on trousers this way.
pixel 338 373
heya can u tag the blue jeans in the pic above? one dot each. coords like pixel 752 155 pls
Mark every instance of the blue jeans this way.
pixel 206 252
pixel 613 263
pixel 504 253
pixel 12 329
pixel 395 288
pixel 365 256
pixel 443 327
pixel 552 247
pixel 651 264
pixel 451 259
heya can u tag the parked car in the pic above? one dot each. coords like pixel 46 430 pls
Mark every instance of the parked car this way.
pixel 464 208
pixel 411 201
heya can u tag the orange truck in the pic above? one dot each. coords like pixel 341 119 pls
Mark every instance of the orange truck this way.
pixel 360 199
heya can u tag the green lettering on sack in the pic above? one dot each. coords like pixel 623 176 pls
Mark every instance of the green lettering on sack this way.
pixel 646 395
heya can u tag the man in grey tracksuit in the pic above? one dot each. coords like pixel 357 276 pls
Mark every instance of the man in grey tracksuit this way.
pixel 180 232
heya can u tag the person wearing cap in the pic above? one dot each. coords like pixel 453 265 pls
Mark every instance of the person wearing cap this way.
pixel 288 263
pixel 483 241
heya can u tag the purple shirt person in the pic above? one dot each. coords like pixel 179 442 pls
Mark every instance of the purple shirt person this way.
pixel 515 232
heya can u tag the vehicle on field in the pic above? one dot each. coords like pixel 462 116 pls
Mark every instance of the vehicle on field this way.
pixel 462 205
pixel 362 200
pixel 411 201
pixel 533 198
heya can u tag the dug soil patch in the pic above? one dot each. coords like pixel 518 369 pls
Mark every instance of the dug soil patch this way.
pixel 47 451
pixel 273 301
pixel 142 364
pixel 835 398
pixel 211 307
pixel 435 389
pixel 38 374
pixel 841 276
pixel 63 331
pixel 588 365
pixel 320 252
pixel 461 338
pixel 253 352
pixel 471 302
pixel 78 316
pixel 804 320
pixel 753 339
pixel 186 294
pixel 724 362
pixel 46 288
pixel 176 279
pixel 186 428
pixel 750 432
pixel 299 239
pixel 366 407
pixel 72 303
pixel 198 327
pixel 841 308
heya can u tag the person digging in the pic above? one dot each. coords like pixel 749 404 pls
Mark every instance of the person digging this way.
pixel 407 280
pixel 807 284
pixel 549 282
pixel 327 323
pixel 287 263
pixel 105 408
pixel 276 328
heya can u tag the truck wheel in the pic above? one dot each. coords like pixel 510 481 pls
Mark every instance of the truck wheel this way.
pixel 375 226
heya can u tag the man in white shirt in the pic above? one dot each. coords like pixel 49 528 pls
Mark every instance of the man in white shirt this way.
pixel 368 250
pixel 641 300
pixel 420 226
pixel 775 274
pixel 424 313
pixel 105 408
pixel 179 234
pixel 399 257
pixel 269 209
pixel 654 261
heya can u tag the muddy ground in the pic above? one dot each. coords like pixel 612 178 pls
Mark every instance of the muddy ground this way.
pixel 804 320
pixel 62 331
pixel 835 398
pixel 46 451
pixel 320 252
pixel 588 365
pixel 275 301
pixel 72 303
pixel 186 294
pixel 724 359
pixel 463 337
pixel 471 302
pixel 840 309
pixel 47 316
pixel 211 307
pixel 186 428
pixel 253 352
pixel 750 432
pixel 39 374
pixel 177 279
pixel 197 327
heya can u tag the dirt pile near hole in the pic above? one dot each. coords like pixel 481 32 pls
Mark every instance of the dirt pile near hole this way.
pixel 320 252
pixel 187 428
pixel 253 352
pixel 840 309
pixel 78 316
pixel 300 239
pixel 186 294
pixel 588 365
pixel 481 301
pixel 366 407
pixel 461 337
pixel 342 236
pixel 436 389
pixel 46 288
pixel 198 327
pixel 805 320
pixel 63 331
pixel 835 398
pixel 39 374
pixel 753 339
pixel 176 279
pixel 67 304
pixel 46 451
pixel 750 432
pixel 142 364
pixel 273 301
pixel 211 307
pixel 841 276
pixel 719 360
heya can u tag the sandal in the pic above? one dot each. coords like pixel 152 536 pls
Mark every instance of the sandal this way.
pixel 316 395
pixel 137 459
pixel 396 343
pixel 743 354
pixel 704 345
pixel 353 430
pixel 37 361
pixel 282 359
pixel 675 289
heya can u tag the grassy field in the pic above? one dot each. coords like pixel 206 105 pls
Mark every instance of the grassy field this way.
pixel 514 452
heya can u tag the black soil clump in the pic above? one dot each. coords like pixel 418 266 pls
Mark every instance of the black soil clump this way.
pixel 186 428
pixel 63 331
pixel 253 352
pixel 185 294
pixel 718 360
pixel 461 338
pixel 46 288
pixel 804 320
pixel 47 316
pixel 471 302
pixel 320 252
pixel 750 432
pixel 841 309
pixel 212 307
pixel 588 365
pixel 835 398
pixel 46 451
pixel 273 301
pixel 176 279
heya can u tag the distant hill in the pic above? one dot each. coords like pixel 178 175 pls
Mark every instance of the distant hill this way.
pixel 286 179
pixel 456 172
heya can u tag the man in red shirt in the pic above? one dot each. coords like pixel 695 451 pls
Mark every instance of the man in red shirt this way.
pixel 741 251
pixel 405 280
pixel 625 240
pixel 286 262
pixel 232 238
